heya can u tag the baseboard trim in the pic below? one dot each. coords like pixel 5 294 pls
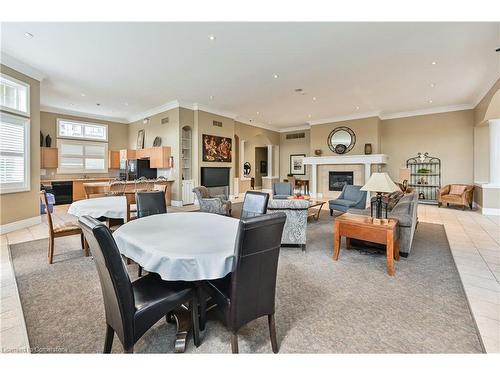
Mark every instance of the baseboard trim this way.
pixel 490 211
pixel 176 203
pixel 21 224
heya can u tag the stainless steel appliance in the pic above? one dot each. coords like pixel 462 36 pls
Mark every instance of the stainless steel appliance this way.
pixel 63 191
pixel 134 169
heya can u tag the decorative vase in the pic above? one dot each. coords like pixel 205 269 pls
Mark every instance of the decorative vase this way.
pixel 41 139
pixel 318 152
pixel 48 140
pixel 368 148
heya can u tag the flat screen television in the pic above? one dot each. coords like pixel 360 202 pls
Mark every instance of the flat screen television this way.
pixel 213 176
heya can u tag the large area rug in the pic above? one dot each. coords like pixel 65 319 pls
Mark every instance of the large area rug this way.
pixel 349 306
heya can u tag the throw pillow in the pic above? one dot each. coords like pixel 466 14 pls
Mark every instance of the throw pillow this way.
pixel 457 189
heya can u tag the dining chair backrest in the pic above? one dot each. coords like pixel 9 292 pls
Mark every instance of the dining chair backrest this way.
pixel 143 184
pixel 94 191
pixel 253 281
pixel 117 187
pixel 254 204
pixel 130 197
pixel 150 203
pixel 119 303
pixel 45 201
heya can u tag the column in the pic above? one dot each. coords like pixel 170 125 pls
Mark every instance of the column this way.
pixel 368 173
pixel 494 130
pixel 270 161
pixel 242 158
pixel 314 178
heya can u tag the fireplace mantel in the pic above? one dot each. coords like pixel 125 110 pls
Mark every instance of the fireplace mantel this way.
pixel 366 160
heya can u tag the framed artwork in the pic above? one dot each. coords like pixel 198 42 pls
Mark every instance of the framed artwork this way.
pixel 140 139
pixel 297 166
pixel 216 149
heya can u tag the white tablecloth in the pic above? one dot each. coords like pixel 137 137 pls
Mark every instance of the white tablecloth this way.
pixel 110 207
pixel 187 246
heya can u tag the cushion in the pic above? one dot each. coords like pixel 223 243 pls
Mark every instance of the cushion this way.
pixel 342 202
pixel 283 188
pixel 393 199
pixel 66 226
pixel 457 189
pixel 352 193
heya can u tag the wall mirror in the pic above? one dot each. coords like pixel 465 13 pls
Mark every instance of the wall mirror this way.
pixel 247 168
pixel 341 140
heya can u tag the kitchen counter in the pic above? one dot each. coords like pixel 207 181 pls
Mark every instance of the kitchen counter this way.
pixel 48 181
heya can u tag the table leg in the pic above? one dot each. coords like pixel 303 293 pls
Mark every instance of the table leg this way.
pixel 182 318
pixel 336 241
pixel 396 249
pixel 319 211
pixel 390 252
pixel 347 243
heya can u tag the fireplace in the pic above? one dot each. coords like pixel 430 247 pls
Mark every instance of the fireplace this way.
pixel 337 180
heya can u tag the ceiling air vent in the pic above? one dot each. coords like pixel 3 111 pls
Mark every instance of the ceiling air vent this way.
pixel 295 135
pixel 218 123
pixel 164 120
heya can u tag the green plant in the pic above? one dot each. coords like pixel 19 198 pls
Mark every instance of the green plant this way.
pixel 424 170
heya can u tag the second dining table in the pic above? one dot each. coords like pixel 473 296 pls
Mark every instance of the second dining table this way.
pixel 187 246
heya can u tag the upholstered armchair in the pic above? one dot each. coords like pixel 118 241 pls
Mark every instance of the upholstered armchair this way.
pixel 282 190
pixel 294 232
pixel 350 197
pixel 456 194
pixel 212 201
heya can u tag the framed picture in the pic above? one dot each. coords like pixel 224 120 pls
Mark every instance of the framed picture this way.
pixel 140 139
pixel 216 149
pixel 297 166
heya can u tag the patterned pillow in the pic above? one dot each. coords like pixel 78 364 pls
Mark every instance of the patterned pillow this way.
pixel 393 199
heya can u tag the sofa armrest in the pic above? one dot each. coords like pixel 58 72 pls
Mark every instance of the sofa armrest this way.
pixel 444 190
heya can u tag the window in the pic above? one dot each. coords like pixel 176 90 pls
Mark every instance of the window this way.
pixel 14 95
pixel 81 130
pixel 14 153
pixel 82 156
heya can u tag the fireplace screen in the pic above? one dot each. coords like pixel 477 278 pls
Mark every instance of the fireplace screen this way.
pixel 337 180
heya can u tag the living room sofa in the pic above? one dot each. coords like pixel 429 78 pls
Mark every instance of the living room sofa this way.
pixel 294 232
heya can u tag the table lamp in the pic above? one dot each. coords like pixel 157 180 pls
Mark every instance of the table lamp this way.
pixel 379 182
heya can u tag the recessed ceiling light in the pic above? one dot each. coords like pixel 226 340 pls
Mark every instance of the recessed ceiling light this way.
pixel 29 35
pixel 211 97
pixel 430 101
pixel 433 63
pixel 211 37
pixel 309 116
pixel 275 75
pixel 357 107
pixel 82 94
pixel 432 85
pixel 314 98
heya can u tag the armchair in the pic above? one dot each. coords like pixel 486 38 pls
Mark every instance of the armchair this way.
pixel 350 197
pixel 212 202
pixel 456 194
pixel 282 190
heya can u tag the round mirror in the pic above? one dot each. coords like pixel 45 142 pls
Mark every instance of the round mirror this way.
pixel 341 140
pixel 246 168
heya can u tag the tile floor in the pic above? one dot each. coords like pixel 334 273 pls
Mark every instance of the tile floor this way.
pixel 474 240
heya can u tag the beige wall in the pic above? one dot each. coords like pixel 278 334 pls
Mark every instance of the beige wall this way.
pixel 20 206
pixel 366 131
pixel 170 136
pixel 117 132
pixel 489 107
pixel 255 137
pixel 448 136
pixel 294 146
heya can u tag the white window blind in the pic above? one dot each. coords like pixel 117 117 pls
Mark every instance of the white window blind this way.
pixel 14 95
pixel 71 129
pixel 14 153
pixel 82 156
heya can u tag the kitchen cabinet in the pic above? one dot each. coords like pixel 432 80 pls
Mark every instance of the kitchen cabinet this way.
pixel 187 192
pixel 114 160
pixel 127 154
pixel 48 157
pixel 142 153
pixel 159 157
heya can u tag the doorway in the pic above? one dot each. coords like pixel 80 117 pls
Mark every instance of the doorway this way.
pixel 261 169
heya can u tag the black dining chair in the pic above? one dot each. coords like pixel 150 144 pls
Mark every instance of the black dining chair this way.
pixel 254 204
pixel 132 307
pixel 249 291
pixel 150 203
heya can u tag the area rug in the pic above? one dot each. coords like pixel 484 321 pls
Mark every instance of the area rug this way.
pixel 323 306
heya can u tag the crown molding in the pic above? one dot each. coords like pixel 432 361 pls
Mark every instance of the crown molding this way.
pixel 154 111
pixel 426 111
pixel 355 116
pixel 215 111
pixel 257 124
pixel 295 128
pixel 21 67
pixel 91 116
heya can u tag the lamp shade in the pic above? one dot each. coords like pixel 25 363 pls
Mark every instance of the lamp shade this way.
pixel 380 183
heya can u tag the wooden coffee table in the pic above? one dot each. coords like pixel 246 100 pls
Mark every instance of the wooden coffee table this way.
pixel 364 228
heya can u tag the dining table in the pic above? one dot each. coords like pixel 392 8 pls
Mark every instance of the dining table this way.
pixel 181 246
pixel 111 207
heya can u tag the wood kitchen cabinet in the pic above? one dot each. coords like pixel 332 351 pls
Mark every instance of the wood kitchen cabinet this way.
pixel 128 154
pixel 159 157
pixel 142 153
pixel 114 160
pixel 48 157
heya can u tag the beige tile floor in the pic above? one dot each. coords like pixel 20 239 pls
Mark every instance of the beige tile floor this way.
pixel 474 240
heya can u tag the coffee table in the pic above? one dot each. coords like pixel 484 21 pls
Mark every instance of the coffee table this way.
pixel 314 214
pixel 365 228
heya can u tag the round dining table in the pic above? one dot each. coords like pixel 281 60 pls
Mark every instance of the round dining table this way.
pixel 113 207
pixel 187 246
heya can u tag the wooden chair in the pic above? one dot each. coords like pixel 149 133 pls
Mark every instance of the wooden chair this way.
pixel 117 187
pixel 94 191
pixel 61 230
